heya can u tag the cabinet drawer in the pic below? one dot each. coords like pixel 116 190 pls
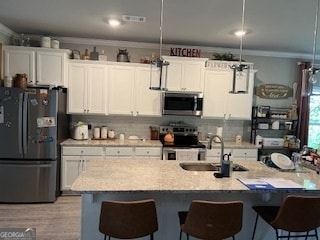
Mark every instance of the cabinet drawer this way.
pixel 214 152
pixel 92 151
pixel 145 151
pixel 119 151
pixel 250 153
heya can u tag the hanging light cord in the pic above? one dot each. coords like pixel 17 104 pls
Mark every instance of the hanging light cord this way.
pixel 161 29
pixel 242 29
pixel 315 36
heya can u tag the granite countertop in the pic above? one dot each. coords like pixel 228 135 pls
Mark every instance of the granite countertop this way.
pixel 146 175
pixel 111 143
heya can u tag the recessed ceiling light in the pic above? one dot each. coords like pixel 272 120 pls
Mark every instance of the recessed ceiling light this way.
pixel 240 33
pixel 114 22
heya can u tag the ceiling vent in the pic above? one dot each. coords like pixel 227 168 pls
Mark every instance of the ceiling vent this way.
pixel 128 18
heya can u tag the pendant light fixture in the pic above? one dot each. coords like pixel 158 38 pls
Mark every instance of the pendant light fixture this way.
pixel 313 71
pixel 241 71
pixel 161 83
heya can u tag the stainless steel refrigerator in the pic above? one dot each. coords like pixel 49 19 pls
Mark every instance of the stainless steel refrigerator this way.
pixel 33 122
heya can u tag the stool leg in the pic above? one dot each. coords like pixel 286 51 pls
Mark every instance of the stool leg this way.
pixel 255 226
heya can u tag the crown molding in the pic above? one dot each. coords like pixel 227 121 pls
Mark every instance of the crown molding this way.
pixel 6 31
pixel 145 45
pixel 113 43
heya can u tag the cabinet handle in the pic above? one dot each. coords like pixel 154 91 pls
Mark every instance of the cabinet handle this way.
pixel 118 152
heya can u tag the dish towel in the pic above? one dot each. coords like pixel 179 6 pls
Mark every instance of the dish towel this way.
pixel 187 154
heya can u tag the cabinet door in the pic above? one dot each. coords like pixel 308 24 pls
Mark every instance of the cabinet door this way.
pixel 174 75
pixel 51 68
pixel 193 76
pixel 96 89
pixel 240 105
pixel 19 60
pixel 120 90
pixel 215 93
pixel 185 74
pixel 77 94
pixel 87 88
pixel 219 102
pixel 147 102
pixel 72 166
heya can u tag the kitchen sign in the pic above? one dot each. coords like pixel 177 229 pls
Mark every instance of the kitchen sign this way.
pixel 185 52
pixel 273 91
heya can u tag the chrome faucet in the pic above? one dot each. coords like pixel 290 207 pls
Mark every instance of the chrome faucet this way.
pixel 224 164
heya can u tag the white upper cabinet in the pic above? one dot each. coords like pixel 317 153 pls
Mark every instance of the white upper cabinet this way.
pixel 43 66
pixel 219 102
pixel 147 102
pixel 51 68
pixel 87 88
pixel 129 93
pixel 185 74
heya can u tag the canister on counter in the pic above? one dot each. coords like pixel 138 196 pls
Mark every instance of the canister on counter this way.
pixel 96 132
pixel 8 81
pixel 104 132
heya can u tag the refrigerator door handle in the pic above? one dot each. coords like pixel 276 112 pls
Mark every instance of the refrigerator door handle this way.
pixel 20 127
pixel 25 123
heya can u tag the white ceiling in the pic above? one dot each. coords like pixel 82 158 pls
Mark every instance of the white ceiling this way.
pixel 275 25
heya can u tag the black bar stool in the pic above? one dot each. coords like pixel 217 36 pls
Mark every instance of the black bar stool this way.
pixel 299 214
pixel 212 220
pixel 128 220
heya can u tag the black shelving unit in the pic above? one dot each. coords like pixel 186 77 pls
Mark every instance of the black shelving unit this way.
pixel 263 117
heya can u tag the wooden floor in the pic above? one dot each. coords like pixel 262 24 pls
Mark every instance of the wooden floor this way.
pixel 60 220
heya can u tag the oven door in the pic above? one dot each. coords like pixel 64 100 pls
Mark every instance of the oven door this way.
pixel 185 154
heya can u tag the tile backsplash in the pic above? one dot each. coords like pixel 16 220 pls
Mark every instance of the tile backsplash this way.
pixel 140 126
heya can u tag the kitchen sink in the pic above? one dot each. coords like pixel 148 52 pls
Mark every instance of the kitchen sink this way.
pixel 206 166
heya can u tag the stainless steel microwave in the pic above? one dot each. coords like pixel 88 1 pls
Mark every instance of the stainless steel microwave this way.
pixel 182 103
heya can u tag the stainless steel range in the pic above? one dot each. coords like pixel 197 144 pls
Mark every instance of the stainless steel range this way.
pixel 185 146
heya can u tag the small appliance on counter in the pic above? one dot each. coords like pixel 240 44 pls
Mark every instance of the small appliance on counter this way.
pixel 80 131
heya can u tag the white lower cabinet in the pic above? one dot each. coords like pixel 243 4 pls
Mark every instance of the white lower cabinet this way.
pixel 148 152
pixel 236 153
pixel 74 161
pixel 134 152
pixel 119 152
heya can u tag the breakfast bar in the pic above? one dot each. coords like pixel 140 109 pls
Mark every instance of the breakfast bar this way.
pixel 173 189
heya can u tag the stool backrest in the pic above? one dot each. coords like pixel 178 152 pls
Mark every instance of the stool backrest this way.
pixel 127 220
pixel 298 214
pixel 214 220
